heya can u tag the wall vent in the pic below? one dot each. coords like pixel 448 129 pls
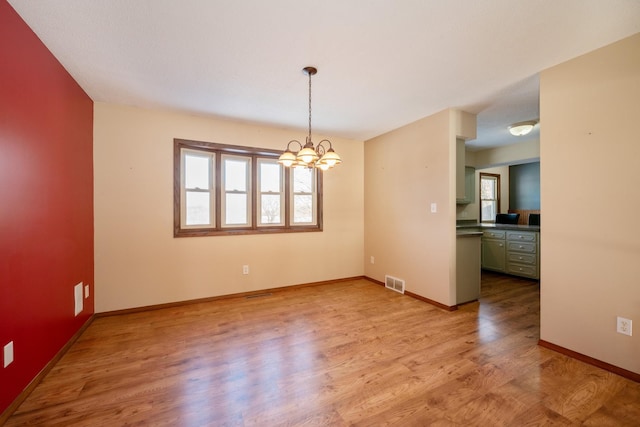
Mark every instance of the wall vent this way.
pixel 394 284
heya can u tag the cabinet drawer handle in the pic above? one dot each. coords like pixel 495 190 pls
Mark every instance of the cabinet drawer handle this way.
pixel 500 245
pixel 521 247
pixel 519 257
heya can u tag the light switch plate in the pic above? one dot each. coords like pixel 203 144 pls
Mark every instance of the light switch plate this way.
pixel 8 354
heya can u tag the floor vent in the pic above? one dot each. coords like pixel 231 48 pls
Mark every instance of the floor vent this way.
pixel 262 295
pixel 394 284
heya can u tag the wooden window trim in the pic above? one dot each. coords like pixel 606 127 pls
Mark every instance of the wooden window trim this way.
pixel 497 176
pixel 254 153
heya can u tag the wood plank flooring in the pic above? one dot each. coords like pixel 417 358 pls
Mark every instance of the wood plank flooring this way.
pixel 349 353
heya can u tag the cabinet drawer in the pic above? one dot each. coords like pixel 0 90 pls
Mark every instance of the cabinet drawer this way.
pixel 493 234
pixel 521 236
pixel 523 270
pixel 522 247
pixel 522 258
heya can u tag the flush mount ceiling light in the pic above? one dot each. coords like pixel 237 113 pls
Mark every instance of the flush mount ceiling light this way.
pixel 309 156
pixel 522 128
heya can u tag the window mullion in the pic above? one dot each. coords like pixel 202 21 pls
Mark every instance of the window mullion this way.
pixel 254 192
pixel 218 191
pixel 288 189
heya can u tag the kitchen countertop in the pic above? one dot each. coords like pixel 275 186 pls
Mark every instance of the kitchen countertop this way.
pixel 463 227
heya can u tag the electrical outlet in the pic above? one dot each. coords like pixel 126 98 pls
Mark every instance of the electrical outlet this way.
pixel 624 326
pixel 8 354
pixel 373 260
pixel 77 298
pixel 434 207
pixel 245 269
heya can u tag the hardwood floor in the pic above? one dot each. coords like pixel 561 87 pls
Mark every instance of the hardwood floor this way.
pixel 349 353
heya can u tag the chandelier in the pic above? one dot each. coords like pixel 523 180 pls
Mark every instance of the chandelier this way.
pixel 307 155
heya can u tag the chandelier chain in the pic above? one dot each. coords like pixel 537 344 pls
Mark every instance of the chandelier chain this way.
pixel 309 106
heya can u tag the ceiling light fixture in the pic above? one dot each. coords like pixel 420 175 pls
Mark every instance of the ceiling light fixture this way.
pixel 309 156
pixel 522 128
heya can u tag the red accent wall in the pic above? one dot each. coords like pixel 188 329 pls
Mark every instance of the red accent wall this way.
pixel 46 203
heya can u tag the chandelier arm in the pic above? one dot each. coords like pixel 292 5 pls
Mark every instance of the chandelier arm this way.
pixel 326 140
pixel 297 142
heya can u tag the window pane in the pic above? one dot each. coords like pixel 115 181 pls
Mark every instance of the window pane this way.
pixel 235 175
pixel 236 209
pixel 270 177
pixel 302 180
pixel 488 188
pixel 197 208
pixel 302 208
pixel 270 209
pixel 489 211
pixel 196 174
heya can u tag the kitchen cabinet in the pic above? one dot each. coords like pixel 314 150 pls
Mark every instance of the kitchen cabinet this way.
pixel 523 253
pixel 466 126
pixel 469 186
pixel 494 250
pixel 513 252
pixel 460 163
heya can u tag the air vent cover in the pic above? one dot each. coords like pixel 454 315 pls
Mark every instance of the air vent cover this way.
pixel 394 284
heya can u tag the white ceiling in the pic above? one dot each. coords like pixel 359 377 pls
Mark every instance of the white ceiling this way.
pixel 382 63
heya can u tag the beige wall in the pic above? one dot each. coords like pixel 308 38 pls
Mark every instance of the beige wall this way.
pixel 138 262
pixel 589 193
pixel 526 151
pixel 405 171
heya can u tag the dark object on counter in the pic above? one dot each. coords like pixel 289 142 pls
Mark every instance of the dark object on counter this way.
pixel 508 218
pixel 534 219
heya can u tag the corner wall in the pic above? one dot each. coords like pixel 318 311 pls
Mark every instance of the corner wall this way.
pixel 589 193
pixel 140 263
pixel 46 210
pixel 406 170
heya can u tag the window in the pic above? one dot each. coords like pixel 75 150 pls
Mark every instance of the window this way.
pixel 303 189
pixel 489 196
pixel 197 191
pixel 271 186
pixel 236 187
pixel 225 189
